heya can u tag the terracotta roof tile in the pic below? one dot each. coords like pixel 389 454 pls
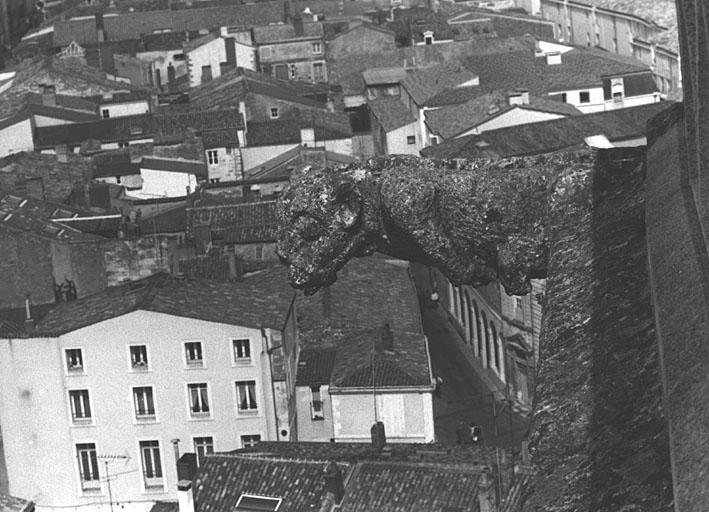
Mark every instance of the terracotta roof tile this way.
pixel 549 136
pixel 424 84
pixel 222 479
pixel 237 223
pixel 391 113
pixel 262 299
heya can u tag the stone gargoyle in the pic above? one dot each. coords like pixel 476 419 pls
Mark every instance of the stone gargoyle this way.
pixel 477 221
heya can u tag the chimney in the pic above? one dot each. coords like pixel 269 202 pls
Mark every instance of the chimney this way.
pixel 235 264
pixel 171 82
pixel 242 112
pixel 553 58
pixel 387 339
pixel 29 322
pixel 187 466
pixel 100 28
pixel 334 482
pixel 62 153
pixel 298 25
pixel 307 137
pixel 286 12
pixel 49 96
pixel 379 438
pixel 230 48
pixel 486 492
pixel 185 496
pixel 176 448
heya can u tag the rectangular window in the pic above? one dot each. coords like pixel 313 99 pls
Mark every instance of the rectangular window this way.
pixel 88 466
pixel 193 353
pixel 317 48
pixel 203 446
pixel 584 97
pixel 139 357
pixel 274 112
pixel 152 465
pixel 242 350
pixel 316 408
pixel 144 403
pixel 213 157
pixel 246 395
pixel 292 71
pixel 105 113
pixel 319 72
pixel 199 401
pixel 74 360
pixel 80 407
pixel 123 144
pixel 563 97
pixel 251 440
pixel 411 139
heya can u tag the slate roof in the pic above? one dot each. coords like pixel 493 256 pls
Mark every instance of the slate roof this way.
pixel 37 218
pixel 237 223
pixel 16 107
pixel 57 178
pixel 262 299
pixel 391 112
pixel 132 25
pixel 327 126
pixel 286 32
pixel 408 486
pixel 383 76
pixel 451 121
pixel 222 479
pixel 229 89
pixel 424 84
pixel 138 127
pixel 115 163
pixel 579 68
pixel 352 452
pixel 362 362
pixel 171 221
pixel 550 136
pixel 13 504
pixel 315 365
pixel 358 299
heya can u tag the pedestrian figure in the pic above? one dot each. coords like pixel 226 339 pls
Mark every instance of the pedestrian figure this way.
pixel 439 383
pixel 434 296
pixel 475 433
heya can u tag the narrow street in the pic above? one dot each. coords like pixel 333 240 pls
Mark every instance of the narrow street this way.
pixel 464 397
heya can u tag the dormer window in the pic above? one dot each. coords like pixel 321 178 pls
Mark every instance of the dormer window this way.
pixel 274 112
pixel 428 37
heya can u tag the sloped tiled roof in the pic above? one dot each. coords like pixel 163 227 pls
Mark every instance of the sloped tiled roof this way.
pixel 37 218
pixel 138 127
pixel 13 504
pixel 327 126
pixel 226 216
pixel 276 33
pixel 222 479
pixel 391 112
pixel 361 361
pixel 315 365
pixel 58 178
pixel 368 292
pixel 262 299
pixel 171 221
pixel 549 136
pixel 381 76
pixel 132 25
pixel 234 86
pixel 424 84
pixel 409 486
pixel 450 121
pixel 281 166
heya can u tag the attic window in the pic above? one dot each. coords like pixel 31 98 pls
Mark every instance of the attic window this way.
pixel 136 130
pixel 7 217
pixel 48 229
pixel 251 503
pixel 63 214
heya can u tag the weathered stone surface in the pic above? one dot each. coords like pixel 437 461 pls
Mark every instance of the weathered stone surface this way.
pixel 477 221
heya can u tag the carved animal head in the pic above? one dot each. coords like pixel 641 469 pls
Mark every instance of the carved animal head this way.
pixel 324 220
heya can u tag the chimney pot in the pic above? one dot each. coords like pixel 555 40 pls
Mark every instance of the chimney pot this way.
pixel 333 481
pixel 185 496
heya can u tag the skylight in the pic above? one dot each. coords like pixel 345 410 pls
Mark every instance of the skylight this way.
pixel 250 503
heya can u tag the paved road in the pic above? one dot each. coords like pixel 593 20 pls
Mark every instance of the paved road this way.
pixel 464 396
